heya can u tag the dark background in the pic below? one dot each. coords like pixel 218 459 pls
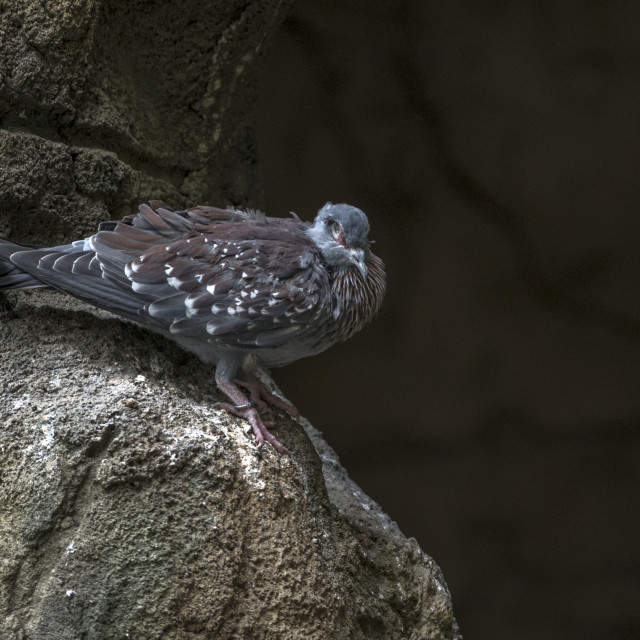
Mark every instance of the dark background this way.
pixel 493 406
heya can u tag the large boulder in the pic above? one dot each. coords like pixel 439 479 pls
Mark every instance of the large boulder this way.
pixel 131 507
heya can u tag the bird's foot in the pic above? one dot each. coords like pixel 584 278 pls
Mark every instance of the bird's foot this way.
pixel 243 408
pixel 262 397
pixel 260 427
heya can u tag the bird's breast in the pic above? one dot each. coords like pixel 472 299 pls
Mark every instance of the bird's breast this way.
pixel 356 298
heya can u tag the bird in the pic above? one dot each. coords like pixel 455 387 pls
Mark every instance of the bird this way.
pixel 243 291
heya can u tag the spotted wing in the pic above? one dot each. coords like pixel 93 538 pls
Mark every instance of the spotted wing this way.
pixel 237 293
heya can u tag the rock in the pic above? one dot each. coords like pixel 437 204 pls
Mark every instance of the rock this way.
pixel 130 507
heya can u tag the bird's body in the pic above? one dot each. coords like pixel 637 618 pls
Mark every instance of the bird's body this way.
pixel 239 289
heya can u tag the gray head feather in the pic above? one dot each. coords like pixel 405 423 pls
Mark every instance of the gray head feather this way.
pixel 340 231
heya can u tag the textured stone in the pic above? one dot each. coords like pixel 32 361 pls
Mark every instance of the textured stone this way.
pixel 131 101
pixel 130 505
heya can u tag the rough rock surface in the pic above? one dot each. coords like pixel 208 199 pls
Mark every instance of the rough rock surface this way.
pixel 106 103
pixel 131 508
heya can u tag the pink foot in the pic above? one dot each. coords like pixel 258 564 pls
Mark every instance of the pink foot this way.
pixel 242 408
pixel 260 427
pixel 261 396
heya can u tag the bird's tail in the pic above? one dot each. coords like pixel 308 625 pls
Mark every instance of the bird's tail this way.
pixel 11 276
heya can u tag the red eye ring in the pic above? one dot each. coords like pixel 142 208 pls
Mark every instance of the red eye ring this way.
pixel 338 233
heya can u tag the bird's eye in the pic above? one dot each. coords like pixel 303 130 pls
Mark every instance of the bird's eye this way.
pixel 337 233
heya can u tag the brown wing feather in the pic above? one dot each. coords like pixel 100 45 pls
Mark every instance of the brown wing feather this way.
pixel 238 293
pixel 235 279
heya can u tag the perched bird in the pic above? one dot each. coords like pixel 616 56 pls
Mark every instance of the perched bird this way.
pixel 241 290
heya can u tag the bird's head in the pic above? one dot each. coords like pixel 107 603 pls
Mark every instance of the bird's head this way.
pixel 341 233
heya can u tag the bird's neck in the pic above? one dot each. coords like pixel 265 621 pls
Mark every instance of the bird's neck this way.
pixel 356 298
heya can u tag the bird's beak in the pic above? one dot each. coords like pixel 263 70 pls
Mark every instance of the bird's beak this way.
pixel 357 257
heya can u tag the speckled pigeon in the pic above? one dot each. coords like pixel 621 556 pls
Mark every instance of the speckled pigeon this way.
pixel 239 289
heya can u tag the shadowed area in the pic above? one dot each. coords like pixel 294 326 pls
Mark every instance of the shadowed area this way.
pixel 493 405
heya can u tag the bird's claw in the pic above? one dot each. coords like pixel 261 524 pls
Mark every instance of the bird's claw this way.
pixel 259 426
pixel 263 397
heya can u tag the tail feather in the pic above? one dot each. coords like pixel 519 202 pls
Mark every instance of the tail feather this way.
pixel 11 276
pixel 71 269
